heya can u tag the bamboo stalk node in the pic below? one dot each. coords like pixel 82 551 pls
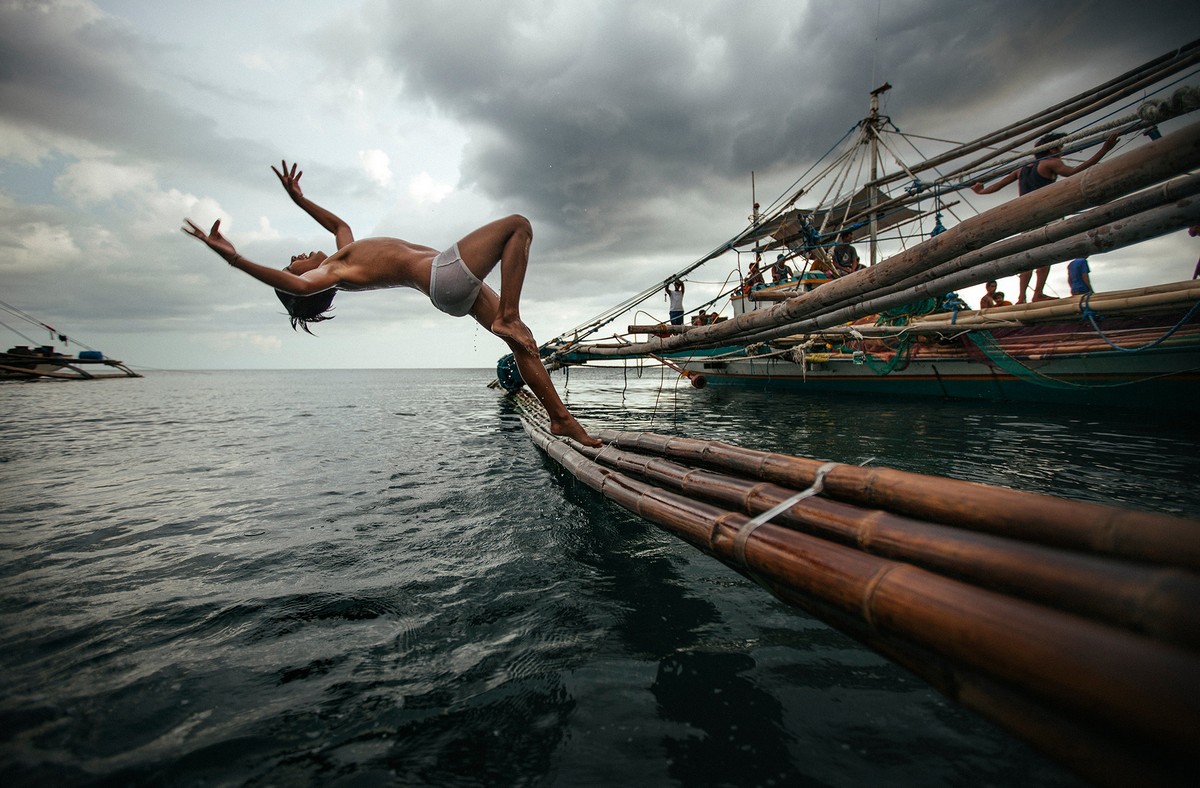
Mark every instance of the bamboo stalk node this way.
pixel 739 543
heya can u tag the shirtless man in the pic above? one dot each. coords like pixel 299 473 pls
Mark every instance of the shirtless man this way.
pixel 1031 177
pixel 989 298
pixel 452 279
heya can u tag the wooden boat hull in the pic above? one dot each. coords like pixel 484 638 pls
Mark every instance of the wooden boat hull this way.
pixel 1067 364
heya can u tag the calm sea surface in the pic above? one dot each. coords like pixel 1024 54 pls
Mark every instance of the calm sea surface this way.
pixel 373 577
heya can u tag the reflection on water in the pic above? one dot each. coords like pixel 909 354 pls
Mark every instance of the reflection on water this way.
pixel 309 578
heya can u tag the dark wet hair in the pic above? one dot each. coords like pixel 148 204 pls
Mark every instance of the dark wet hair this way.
pixel 303 310
pixel 1047 139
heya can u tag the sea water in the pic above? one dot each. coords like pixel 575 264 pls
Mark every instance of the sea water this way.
pixel 373 577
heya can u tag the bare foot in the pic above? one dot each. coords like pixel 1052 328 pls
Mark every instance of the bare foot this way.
pixel 574 430
pixel 1021 300
pixel 1042 297
pixel 516 331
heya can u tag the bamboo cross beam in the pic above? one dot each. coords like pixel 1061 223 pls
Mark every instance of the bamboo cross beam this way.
pixel 1108 180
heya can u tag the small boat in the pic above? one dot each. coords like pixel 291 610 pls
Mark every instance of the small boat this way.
pixel 31 363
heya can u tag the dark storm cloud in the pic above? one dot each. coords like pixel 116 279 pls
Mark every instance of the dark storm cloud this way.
pixel 589 113
pixel 65 73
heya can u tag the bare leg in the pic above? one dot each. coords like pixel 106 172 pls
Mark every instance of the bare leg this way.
pixel 505 241
pixel 1024 280
pixel 1040 284
pixel 486 307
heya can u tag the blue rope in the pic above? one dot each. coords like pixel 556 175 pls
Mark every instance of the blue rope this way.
pixel 1087 311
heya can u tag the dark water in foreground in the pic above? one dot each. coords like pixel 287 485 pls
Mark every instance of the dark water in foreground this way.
pixel 372 577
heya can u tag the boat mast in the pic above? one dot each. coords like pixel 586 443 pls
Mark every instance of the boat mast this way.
pixel 754 214
pixel 873 132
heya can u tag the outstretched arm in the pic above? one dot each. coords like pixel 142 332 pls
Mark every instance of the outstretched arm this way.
pixel 290 178
pixel 1063 170
pixel 979 188
pixel 308 283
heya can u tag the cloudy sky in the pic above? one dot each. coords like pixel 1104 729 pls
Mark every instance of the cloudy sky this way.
pixel 626 131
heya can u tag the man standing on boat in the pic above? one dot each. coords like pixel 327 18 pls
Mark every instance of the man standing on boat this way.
pixel 1079 276
pixel 1031 177
pixel 676 308
pixel 845 256
pixel 452 279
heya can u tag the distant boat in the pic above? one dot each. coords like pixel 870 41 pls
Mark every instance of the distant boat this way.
pixel 896 326
pixel 29 363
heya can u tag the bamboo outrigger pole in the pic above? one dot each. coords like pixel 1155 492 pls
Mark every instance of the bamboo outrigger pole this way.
pixel 1031 127
pixel 1108 180
pixel 1142 227
pixel 1072 625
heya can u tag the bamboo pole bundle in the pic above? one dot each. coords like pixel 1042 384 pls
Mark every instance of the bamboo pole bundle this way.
pixel 1173 191
pixel 1097 754
pixel 1136 229
pixel 1034 351
pixel 1120 533
pixel 1164 602
pixel 1080 333
pixel 1175 297
pixel 1084 690
pixel 1106 181
pixel 657 328
pixel 1042 346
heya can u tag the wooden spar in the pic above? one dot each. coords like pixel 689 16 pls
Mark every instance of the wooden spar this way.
pixel 658 328
pixel 695 378
pixel 1129 700
pixel 1108 180
pixel 1164 602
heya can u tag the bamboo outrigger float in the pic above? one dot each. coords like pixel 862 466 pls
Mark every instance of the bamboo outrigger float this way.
pixel 1076 626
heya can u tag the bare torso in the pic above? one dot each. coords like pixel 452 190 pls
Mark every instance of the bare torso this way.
pixel 375 263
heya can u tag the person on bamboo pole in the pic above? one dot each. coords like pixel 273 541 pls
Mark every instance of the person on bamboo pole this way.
pixel 1033 176
pixel 453 280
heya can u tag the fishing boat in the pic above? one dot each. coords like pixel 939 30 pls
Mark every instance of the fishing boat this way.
pixel 895 324
pixel 34 361
pixel 29 363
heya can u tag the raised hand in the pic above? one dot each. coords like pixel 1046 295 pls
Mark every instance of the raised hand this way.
pixel 213 238
pixel 290 179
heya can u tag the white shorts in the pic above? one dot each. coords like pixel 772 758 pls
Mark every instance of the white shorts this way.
pixel 452 287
